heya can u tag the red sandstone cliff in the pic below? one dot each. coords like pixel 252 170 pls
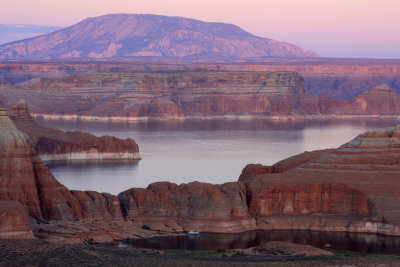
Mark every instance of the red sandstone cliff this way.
pixel 24 178
pixel 368 166
pixel 192 94
pixel 52 144
pixel 338 78
pixel 28 188
pixel 206 207
pixel 14 220
pixel 352 188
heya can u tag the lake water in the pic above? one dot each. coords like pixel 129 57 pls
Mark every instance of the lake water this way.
pixel 213 151
pixel 358 242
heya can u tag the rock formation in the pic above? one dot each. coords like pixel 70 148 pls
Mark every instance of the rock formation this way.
pixel 367 168
pixel 52 144
pixel 28 189
pixel 191 94
pixel 14 220
pixel 124 36
pixel 254 170
pixel 352 188
pixel 193 206
pixel 339 78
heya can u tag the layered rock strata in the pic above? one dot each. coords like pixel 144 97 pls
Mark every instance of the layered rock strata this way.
pixel 192 94
pixel 14 220
pixel 338 78
pixel 365 172
pixel 29 190
pixel 201 206
pixel 52 144
pixel 352 188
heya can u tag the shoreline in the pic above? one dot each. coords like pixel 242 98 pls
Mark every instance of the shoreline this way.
pixel 91 156
pixel 74 117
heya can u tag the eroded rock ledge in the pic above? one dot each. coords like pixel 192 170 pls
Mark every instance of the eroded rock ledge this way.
pixel 52 144
pixel 352 188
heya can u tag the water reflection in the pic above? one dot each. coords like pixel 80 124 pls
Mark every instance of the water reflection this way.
pixel 359 242
pixel 213 151
pixel 98 175
pixel 211 125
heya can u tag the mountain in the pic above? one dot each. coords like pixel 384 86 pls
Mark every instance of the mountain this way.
pixel 14 32
pixel 118 36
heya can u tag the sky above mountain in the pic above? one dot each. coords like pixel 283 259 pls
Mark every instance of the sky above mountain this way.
pixel 332 28
pixel 12 32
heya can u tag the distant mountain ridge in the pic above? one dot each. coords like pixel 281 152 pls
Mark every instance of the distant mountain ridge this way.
pixel 131 36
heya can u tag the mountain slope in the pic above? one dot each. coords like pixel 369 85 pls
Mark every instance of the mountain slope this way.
pixel 129 36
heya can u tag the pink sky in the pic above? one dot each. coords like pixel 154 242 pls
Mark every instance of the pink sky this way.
pixel 336 28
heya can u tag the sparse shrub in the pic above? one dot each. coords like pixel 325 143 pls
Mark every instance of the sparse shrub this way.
pixel 145 227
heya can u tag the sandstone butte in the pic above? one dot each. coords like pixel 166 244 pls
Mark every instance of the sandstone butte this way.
pixel 353 188
pixel 52 144
pixel 192 94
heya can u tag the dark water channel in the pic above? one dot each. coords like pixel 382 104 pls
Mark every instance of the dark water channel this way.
pixel 357 242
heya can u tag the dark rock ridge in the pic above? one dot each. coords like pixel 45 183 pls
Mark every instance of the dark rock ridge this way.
pixel 52 144
pixel 352 188
pixel 130 36
pixel 191 94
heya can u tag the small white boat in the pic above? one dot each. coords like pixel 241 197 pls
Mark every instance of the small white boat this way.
pixel 193 233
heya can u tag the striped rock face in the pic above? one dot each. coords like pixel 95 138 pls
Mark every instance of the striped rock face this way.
pixel 353 188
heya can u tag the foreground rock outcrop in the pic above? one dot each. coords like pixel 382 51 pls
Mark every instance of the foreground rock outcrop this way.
pixel 353 188
pixel 29 190
pixel 365 171
pixel 52 144
pixel 14 220
pixel 207 207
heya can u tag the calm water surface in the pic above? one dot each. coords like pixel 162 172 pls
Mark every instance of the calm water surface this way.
pixel 206 151
pixel 370 243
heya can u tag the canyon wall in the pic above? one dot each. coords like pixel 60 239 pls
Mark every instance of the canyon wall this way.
pixel 191 94
pixel 368 163
pixel 34 203
pixel 337 78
